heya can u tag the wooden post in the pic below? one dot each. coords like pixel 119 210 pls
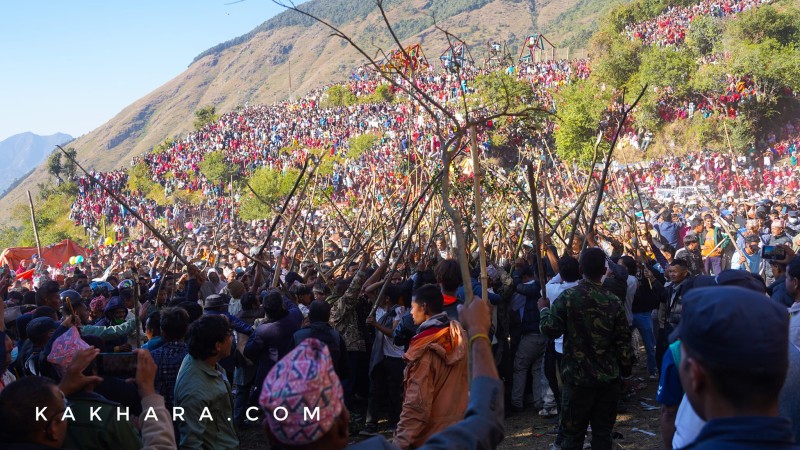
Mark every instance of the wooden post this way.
pixel 476 168
pixel 35 230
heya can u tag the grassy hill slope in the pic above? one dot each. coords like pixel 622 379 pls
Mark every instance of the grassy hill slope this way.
pixel 255 67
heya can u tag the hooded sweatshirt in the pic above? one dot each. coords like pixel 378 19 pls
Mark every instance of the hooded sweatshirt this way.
pixel 436 381
pixel 113 304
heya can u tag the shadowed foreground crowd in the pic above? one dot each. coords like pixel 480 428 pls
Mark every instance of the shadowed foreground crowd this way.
pixel 217 353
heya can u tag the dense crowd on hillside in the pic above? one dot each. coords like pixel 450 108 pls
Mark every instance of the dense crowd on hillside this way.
pixel 670 28
pixel 355 302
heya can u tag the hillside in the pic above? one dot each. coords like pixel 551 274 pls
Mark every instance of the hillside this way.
pixel 22 152
pixel 255 67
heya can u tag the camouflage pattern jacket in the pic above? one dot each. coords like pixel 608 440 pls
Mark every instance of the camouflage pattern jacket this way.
pixel 597 340
pixel 344 314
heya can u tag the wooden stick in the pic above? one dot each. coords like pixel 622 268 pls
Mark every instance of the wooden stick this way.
pixel 538 240
pixel 607 164
pixel 476 192
pixel 35 229
pixel 402 252
pixel 277 275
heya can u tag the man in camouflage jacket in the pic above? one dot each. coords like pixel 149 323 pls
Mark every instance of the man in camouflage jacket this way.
pixel 597 352
pixel 344 318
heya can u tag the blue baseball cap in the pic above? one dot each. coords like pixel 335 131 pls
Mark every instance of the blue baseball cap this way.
pixel 735 328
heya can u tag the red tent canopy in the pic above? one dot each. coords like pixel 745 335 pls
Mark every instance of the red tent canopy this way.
pixel 54 254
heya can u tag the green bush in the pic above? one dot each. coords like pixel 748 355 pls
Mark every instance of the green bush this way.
pixel 215 168
pixel 204 116
pixel 338 95
pixel 271 186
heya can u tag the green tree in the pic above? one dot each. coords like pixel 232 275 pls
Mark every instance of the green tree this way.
pixel 383 93
pixel 361 143
pixel 270 185
pixel 664 67
pixel 52 219
pixel 580 106
pixel 54 166
pixel 338 95
pixel 497 91
pixel 68 167
pixel 617 60
pixel 139 177
pixel 215 168
pixel 661 68
pixel 761 24
pixel 204 116
pixel 161 147
pixel 704 35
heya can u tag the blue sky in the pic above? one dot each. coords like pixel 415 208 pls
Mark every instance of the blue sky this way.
pixel 70 65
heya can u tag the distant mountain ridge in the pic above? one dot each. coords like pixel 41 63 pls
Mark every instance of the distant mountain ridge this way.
pixel 22 152
pixel 256 67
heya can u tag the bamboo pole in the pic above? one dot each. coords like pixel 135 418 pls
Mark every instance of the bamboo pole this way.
pixel 456 218
pixel 538 240
pixel 607 165
pixel 35 229
pixel 402 252
pixel 277 275
pixel 283 208
pixel 476 186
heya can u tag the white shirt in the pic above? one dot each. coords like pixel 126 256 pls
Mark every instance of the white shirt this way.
pixel 235 307
pixel 554 288
pixel 687 425
pixel 389 349
pixel 633 285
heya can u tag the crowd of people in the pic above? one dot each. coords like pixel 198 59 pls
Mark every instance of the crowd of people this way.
pixel 671 27
pixel 313 322
pixel 219 335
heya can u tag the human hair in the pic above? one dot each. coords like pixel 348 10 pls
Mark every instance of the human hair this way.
pixel 250 301
pixel 667 248
pixel 680 262
pixel 431 297
pixel 174 323
pixel 29 298
pixel 629 264
pixel 793 268
pixel 18 403
pixel 291 277
pixel 319 311
pixel 204 333
pixel 194 310
pixel 321 287
pixel 448 274
pixel 569 269
pixel 695 223
pixel 302 290
pixel 46 289
pixel 525 271
pixel 593 263
pixel 153 322
pixel 744 387
pixel 273 306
